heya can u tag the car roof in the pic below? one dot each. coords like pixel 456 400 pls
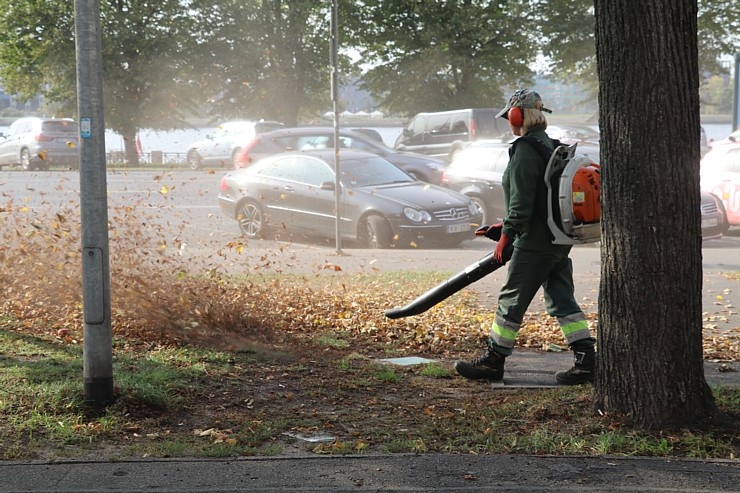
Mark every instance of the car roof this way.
pixel 327 154
pixel 450 112
pixel 311 129
pixel 245 123
pixel 720 149
pixel 43 119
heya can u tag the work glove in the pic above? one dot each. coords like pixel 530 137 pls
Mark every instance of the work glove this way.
pixel 498 253
pixel 492 231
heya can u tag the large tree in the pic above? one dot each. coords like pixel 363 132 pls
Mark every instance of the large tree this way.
pixel 145 60
pixel 650 364
pixel 267 59
pixel 430 55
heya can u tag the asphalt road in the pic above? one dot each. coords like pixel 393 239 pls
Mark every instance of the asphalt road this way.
pixel 388 473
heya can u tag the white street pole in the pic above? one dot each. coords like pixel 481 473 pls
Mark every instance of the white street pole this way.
pixel 335 102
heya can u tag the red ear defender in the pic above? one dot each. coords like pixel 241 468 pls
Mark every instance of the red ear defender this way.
pixel 516 117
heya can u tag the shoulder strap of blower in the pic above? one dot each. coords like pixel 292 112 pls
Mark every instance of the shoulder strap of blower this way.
pixel 546 153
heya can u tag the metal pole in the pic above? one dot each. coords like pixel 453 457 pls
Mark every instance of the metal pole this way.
pixel 736 95
pixel 97 347
pixel 335 102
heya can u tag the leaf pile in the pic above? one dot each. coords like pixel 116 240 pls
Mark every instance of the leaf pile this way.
pixel 161 298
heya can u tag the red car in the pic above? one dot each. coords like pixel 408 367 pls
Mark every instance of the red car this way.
pixel 720 175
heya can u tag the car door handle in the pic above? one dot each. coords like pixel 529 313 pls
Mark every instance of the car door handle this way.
pixel 288 188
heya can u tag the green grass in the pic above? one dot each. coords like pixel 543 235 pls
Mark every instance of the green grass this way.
pixel 436 370
pixel 44 413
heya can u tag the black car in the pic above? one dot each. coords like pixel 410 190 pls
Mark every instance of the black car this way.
pixel 476 172
pixel 423 168
pixel 293 193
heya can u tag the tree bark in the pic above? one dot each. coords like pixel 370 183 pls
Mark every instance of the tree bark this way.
pixel 650 365
pixel 130 149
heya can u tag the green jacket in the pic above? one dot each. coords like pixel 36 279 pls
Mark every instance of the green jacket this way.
pixel 525 196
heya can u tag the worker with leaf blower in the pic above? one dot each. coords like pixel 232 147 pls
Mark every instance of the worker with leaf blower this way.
pixel 536 261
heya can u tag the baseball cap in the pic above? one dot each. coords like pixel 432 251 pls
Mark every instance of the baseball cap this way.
pixel 523 98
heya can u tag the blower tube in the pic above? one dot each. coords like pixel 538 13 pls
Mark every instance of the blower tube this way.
pixel 445 289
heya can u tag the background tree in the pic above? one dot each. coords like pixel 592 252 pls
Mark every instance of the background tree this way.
pixel 144 60
pixel 716 96
pixel 567 27
pixel 267 59
pixel 650 364
pixel 429 55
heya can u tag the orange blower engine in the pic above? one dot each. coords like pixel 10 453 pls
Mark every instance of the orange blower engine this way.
pixel 585 194
pixel 574 202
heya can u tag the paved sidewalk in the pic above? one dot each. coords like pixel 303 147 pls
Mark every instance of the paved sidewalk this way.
pixel 529 368
pixel 387 473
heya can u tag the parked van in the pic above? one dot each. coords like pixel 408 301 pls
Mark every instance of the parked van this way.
pixel 443 134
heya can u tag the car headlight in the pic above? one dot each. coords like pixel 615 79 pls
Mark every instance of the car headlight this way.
pixel 473 208
pixel 417 216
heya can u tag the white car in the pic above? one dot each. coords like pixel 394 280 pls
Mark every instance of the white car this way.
pixel 37 143
pixel 221 147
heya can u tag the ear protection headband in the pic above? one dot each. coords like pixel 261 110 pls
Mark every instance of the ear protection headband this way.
pixel 516 112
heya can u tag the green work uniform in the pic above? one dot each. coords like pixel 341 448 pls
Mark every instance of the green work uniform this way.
pixel 536 261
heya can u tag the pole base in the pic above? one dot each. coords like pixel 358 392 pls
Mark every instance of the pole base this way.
pixel 99 392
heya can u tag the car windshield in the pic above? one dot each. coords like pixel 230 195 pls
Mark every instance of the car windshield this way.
pixel 370 171
pixel 365 145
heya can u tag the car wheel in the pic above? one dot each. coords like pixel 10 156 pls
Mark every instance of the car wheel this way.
pixel 26 160
pixel 377 232
pixel 251 219
pixel 194 161
pixel 486 219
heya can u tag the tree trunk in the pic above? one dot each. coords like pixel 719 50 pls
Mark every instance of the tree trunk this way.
pixel 130 148
pixel 650 365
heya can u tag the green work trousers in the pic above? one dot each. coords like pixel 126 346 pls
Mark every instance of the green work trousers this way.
pixel 527 272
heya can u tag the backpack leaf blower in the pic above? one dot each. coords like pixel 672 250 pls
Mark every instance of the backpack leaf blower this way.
pixel 574 212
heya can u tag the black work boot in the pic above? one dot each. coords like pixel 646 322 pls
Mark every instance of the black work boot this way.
pixel 583 370
pixel 490 366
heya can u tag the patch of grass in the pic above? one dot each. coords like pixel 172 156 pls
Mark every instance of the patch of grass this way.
pixel 405 446
pixel 347 361
pixel 436 370
pixel 387 374
pixel 334 339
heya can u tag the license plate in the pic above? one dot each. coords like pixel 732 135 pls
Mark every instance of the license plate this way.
pixel 709 222
pixel 458 228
